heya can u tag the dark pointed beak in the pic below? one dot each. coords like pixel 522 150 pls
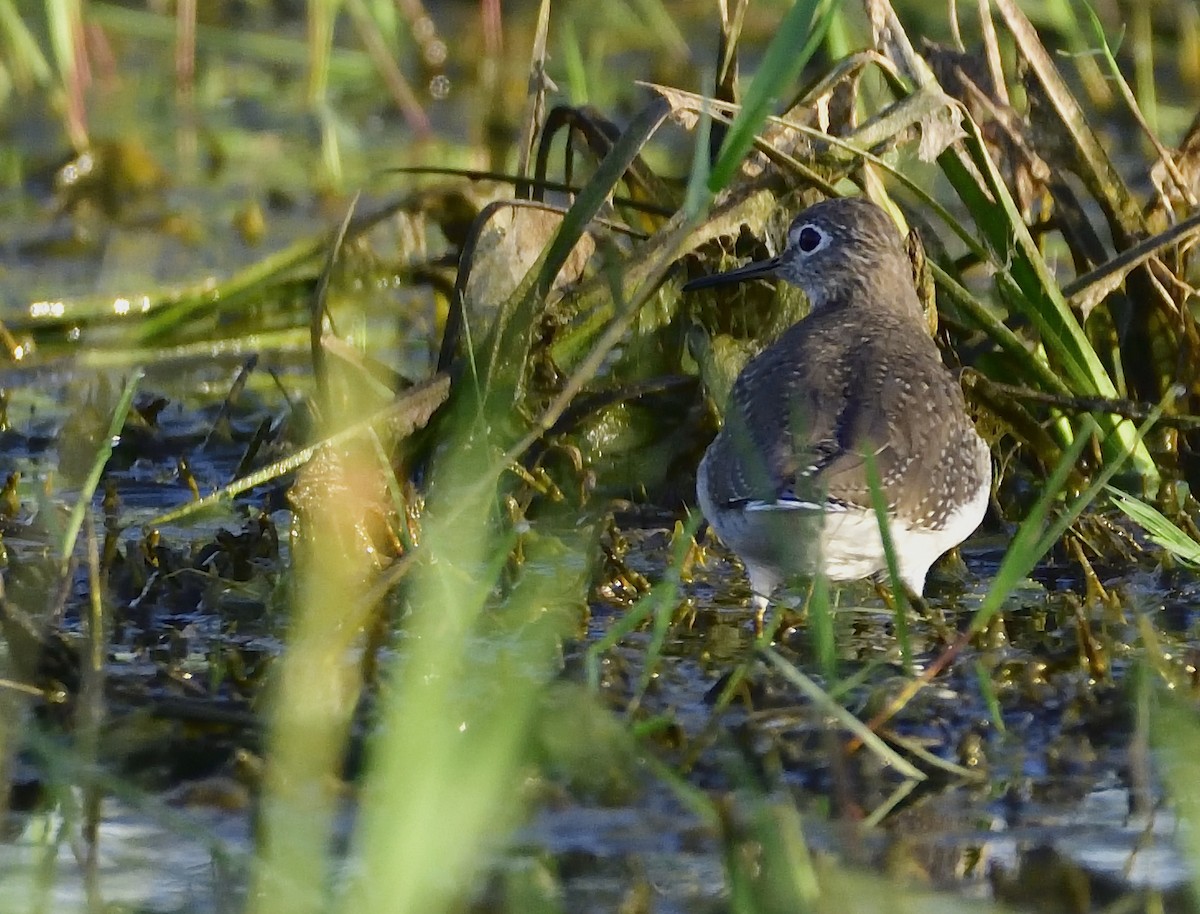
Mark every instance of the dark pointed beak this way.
pixel 761 268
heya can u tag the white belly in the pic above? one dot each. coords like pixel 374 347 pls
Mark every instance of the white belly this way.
pixel 779 540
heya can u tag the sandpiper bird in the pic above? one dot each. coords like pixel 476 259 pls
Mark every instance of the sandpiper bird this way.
pixel 785 483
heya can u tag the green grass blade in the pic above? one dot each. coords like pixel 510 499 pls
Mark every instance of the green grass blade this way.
pixel 1030 285
pixel 821 699
pixel 103 452
pixel 1158 526
pixel 511 334
pixel 986 689
pixel 880 506
pixel 799 35
pixel 1031 541
pixel 820 614
pixel 698 196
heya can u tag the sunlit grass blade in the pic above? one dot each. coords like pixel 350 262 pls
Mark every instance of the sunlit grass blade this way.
pixel 1175 735
pixel 319 682
pixel 321 16
pixel 983 678
pixel 456 719
pixel 1028 546
pixel 1143 44
pixel 1161 529
pixel 781 874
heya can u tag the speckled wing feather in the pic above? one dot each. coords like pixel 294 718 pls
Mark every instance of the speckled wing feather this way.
pixel 771 450
pixel 810 451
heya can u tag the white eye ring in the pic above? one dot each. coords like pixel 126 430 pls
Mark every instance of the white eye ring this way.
pixel 808 239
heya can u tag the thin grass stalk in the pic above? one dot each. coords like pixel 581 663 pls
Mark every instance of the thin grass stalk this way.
pixel 321 17
pixel 660 23
pixel 572 57
pixel 386 15
pixel 664 611
pixel 535 103
pixel 403 95
pixel 83 502
pixel 1103 180
pixel 1188 48
pixel 118 360
pixel 331 146
pixel 875 818
pixel 395 492
pixel 502 369
pixel 488 74
pixel 1061 16
pixel 65 19
pixel 185 50
pixel 931 760
pixel 91 717
pixel 1142 49
pixel 658 605
pixel 820 614
pixel 841 38
pixel 799 35
pixel 1137 103
pixel 134 23
pixel 983 679
pixel 697 196
pixel 899 596
pixel 991 46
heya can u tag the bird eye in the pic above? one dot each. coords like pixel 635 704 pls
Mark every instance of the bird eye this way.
pixel 809 239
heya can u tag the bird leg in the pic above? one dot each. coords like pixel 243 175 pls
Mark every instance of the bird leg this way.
pixel 919 604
